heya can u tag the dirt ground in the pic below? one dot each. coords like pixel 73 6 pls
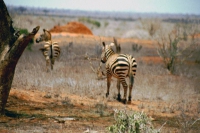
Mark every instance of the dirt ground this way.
pixel 35 111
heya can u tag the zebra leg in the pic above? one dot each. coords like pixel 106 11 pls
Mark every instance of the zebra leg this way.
pixel 131 81
pixel 51 66
pixel 123 81
pixel 118 87
pixel 52 63
pixel 108 85
pixel 47 63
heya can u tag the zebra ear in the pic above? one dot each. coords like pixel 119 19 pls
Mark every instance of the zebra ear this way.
pixel 104 44
pixel 112 44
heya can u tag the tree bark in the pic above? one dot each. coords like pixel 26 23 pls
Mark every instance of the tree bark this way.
pixel 11 48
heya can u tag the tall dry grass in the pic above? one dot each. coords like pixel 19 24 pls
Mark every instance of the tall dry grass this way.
pixel 72 74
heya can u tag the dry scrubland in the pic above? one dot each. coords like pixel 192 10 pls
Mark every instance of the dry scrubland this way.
pixel 160 94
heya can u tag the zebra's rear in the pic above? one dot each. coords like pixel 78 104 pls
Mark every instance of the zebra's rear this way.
pixel 51 52
pixel 119 66
pixel 123 66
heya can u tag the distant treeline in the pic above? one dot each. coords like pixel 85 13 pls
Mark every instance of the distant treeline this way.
pixel 70 13
pixel 183 20
pixel 127 16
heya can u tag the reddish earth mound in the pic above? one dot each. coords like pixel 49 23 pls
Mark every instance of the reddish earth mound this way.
pixel 72 27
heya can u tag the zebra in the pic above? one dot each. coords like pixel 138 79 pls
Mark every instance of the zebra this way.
pixel 119 66
pixel 46 36
pixel 51 50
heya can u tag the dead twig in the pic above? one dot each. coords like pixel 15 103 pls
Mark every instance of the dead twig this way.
pixel 100 74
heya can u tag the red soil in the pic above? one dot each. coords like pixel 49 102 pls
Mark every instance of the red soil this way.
pixel 72 27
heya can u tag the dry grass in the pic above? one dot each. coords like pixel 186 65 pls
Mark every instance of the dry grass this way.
pixel 72 74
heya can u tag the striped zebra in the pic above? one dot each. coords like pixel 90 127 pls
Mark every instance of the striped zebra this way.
pixel 46 36
pixel 51 50
pixel 119 66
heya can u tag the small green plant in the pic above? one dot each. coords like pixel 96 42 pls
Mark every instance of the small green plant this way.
pixel 133 122
pixel 106 24
pixel 197 61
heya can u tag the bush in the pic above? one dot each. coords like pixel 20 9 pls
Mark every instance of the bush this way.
pixel 169 52
pixel 106 24
pixel 91 21
pixel 177 46
pixel 135 122
pixel 151 25
pixel 136 47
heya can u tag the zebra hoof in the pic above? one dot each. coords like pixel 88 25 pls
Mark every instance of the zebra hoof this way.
pixel 124 101
pixel 107 94
pixel 119 97
pixel 129 98
pixel 129 102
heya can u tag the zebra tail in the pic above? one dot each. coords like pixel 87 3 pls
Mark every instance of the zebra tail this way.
pixel 130 65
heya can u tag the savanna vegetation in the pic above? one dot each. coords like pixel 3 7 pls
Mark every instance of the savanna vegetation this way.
pixel 71 98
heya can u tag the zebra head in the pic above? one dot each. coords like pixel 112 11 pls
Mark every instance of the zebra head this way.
pixel 106 52
pixel 46 36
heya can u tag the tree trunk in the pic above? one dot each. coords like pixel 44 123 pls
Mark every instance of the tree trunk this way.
pixel 11 48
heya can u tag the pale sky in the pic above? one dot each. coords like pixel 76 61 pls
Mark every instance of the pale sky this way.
pixel 158 6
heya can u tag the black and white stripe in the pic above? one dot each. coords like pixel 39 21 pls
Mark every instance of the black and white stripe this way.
pixel 51 51
pixel 119 66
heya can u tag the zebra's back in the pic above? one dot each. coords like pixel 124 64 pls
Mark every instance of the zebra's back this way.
pixel 121 66
pixel 52 51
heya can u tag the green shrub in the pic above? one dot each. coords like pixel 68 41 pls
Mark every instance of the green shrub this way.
pixel 176 47
pixel 106 24
pixel 133 122
pixel 91 21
